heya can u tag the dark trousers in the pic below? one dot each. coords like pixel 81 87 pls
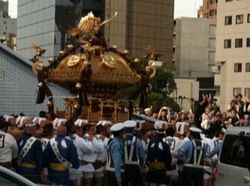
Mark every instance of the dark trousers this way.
pixel 111 178
pixel 133 176
pixel 192 176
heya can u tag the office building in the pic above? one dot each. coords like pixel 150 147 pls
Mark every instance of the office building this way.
pixel 194 47
pixel 7 26
pixel 137 25
pixel 208 9
pixel 232 50
pixel 140 24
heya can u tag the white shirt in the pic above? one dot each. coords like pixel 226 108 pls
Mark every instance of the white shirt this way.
pixel 86 152
pixel 44 142
pixel 8 147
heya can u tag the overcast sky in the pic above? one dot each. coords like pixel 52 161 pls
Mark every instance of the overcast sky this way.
pixel 183 8
pixel 186 8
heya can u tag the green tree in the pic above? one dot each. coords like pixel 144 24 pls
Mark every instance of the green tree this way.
pixel 159 89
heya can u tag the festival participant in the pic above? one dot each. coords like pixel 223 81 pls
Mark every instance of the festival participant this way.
pixel 103 132
pixel 134 155
pixel 8 146
pixel 90 147
pixel 174 143
pixel 159 157
pixel 30 157
pixel 115 158
pixel 47 134
pixel 143 135
pixel 193 152
pixel 101 150
pixel 60 155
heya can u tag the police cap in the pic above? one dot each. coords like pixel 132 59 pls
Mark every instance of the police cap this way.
pixel 195 129
pixel 117 127
pixel 130 124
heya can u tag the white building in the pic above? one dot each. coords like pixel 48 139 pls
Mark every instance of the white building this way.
pixel 232 50
pixel 186 93
pixel 194 47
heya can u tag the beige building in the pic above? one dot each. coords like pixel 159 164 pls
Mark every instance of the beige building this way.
pixel 232 50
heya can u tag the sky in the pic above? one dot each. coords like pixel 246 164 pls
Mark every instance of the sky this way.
pixel 183 8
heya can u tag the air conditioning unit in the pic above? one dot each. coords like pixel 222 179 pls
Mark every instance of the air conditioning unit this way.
pixel 216 69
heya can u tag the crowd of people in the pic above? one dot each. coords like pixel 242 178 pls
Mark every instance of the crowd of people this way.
pixel 178 149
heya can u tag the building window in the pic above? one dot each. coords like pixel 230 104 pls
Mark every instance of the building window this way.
pixel 213 1
pixel 239 19
pixel 246 91
pixel 238 43
pixel 248 42
pixel 213 12
pixel 247 67
pixel 228 20
pixel 227 43
pixel 248 18
pixel 236 91
pixel 237 67
pixel 229 0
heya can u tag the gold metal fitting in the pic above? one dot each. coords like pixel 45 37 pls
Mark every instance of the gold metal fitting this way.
pixel 136 60
pixel 70 47
pixel 76 106
pixel 51 60
pixel 49 103
pixel 40 84
pixel 78 85
pixel 125 52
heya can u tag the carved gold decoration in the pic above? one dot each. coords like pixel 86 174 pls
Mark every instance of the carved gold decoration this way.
pixel 153 68
pixel 109 61
pixel 37 64
pixel 73 60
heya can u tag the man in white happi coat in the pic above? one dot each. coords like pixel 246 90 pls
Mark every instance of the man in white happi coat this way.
pixel 91 145
pixel 174 144
pixel 8 146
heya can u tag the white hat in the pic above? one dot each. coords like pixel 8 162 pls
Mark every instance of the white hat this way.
pixel 147 109
pixel 35 119
pixel 117 127
pixel 30 125
pixel 130 124
pixel 23 120
pixel 81 122
pixel 41 119
pixel 195 129
pixel 104 122
pixel 18 120
pixel 7 118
